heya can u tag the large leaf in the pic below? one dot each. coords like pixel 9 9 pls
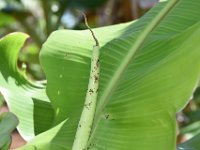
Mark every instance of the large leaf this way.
pixel 139 111
pixel 25 99
pixel 144 105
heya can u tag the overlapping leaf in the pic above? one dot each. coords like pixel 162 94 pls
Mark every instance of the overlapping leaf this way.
pixel 24 98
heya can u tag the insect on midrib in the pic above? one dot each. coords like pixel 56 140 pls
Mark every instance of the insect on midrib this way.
pixel 87 116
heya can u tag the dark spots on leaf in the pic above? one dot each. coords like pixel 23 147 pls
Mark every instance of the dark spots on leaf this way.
pixel 96 78
pixel 89 104
pixel 91 91
pixel 86 106
pixel 107 116
pixel 91 145
pixel 97 63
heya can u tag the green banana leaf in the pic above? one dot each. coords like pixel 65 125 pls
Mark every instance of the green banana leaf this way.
pixel 25 99
pixel 136 107
pixel 8 122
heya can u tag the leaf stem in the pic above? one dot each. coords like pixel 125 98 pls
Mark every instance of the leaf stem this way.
pixel 86 23
pixel 87 116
